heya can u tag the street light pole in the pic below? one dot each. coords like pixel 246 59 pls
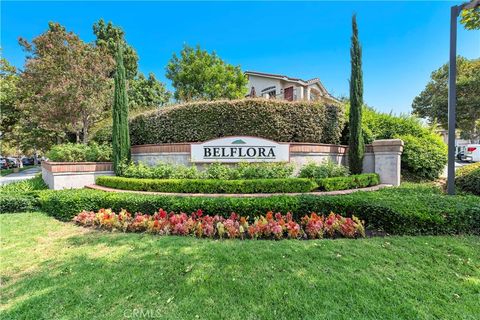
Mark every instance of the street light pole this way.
pixel 452 91
pixel 452 99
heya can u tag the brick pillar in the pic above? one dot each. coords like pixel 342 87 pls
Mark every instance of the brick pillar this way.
pixel 387 160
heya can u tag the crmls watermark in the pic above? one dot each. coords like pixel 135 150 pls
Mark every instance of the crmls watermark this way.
pixel 141 313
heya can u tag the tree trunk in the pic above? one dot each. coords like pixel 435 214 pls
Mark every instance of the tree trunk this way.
pixel 85 132
pixel 35 156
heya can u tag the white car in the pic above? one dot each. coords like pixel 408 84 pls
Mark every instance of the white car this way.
pixel 472 153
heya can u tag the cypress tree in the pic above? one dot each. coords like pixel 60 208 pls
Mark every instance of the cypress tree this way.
pixel 356 144
pixel 120 134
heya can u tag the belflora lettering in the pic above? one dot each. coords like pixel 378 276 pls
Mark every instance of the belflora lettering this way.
pixel 239 149
pixel 239 152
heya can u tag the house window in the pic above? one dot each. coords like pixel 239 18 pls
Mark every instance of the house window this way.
pixel 272 94
pixel 269 92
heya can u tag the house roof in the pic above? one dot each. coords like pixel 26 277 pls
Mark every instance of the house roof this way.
pixel 283 77
pixel 287 78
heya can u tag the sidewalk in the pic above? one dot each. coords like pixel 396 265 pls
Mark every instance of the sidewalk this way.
pixel 20 176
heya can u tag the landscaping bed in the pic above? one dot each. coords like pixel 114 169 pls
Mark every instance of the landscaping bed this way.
pixel 271 226
pixel 50 269
pixel 409 209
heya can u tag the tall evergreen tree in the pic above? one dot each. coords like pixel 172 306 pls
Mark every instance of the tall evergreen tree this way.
pixel 120 134
pixel 356 144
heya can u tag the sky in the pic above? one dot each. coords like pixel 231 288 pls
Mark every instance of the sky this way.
pixel 403 42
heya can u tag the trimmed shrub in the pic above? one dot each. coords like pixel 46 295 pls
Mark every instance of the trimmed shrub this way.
pixel 21 196
pixel 269 119
pixel 377 125
pixel 409 209
pixel 350 182
pixel 33 184
pixel 216 170
pixel 467 178
pixel 264 170
pixel 327 169
pixel 209 185
pixel 18 202
pixel 424 157
pixel 76 152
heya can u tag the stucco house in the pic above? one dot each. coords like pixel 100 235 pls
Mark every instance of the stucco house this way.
pixel 277 86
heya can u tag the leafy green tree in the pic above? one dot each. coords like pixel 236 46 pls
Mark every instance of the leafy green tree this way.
pixel 64 86
pixel 146 93
pixel 143 93
pixel 8 98
pixel 120 132
pixel 108 36
pixel 356 144
pixel 432 102
pixel 470 19
pixel 199 75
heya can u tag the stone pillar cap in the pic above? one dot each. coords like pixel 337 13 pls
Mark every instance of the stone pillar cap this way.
pixel 387 142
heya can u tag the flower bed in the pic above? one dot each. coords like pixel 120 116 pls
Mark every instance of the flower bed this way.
pixel 410 209
pixel 271 226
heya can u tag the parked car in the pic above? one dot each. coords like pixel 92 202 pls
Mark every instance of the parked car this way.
pixel 460 152
pixel 472 153
pixel 28 161
pixel 3 163
pixel 12 162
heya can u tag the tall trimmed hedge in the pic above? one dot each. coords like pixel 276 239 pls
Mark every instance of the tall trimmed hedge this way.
pixel 275 120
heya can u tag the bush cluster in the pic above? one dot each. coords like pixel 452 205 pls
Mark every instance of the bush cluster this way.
pixel 33 184
pixel 423 158
pixel 242 170
pixel 403 210
pixel 270 119
pixel 271 226
pixel 76 152
pixel 326 169
pixel 467 178
pixel 424 155
pixel 18 202
pixel 350 182
pixel 21 196
pixel 287 185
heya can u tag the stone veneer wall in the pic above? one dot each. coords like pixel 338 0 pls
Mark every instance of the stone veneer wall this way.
pixel 300 154
pixel 382 157
pixel 72 175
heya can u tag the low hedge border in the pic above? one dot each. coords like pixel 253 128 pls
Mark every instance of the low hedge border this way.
pixel 288 185
pixel 19 202
pixel 349 182
pixel 404 210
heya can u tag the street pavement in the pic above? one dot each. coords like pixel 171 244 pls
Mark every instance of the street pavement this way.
pixel 19 176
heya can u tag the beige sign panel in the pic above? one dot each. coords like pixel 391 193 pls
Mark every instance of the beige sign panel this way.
pixel 240 149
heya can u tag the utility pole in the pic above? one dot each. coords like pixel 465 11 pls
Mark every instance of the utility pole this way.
pixel 452 90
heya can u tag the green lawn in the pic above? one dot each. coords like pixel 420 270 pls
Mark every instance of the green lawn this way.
pixel 53 270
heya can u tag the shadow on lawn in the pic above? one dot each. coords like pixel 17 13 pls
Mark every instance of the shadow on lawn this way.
pixel 108 275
